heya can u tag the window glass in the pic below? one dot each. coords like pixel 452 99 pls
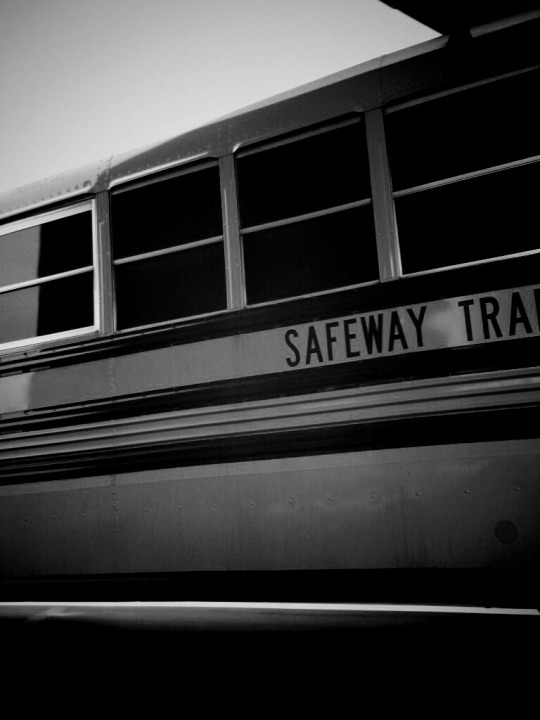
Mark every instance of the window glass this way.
pixel 465 131
pixel 164 214
pixel 329 252
pixel 47 249
pixel 190 282
pixel 173 230
pixel 314 173
pixel 47 308
pixel 485 217
pixel 46 276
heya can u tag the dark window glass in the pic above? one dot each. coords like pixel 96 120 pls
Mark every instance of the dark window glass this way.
pixel 299 177
pixel 311 256
pixel 485 217
pixel 47 249
pixel 176 285
pixel 47 308
pixel 172 212
pixel 481 127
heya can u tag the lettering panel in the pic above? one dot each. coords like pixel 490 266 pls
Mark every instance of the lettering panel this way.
pixel 453 322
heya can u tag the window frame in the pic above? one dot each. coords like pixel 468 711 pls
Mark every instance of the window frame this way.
pixel 140 183
pixel 462 177
pixel 44 217
pixel 359 119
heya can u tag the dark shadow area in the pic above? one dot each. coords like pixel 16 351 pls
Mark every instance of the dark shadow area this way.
pixel 385 665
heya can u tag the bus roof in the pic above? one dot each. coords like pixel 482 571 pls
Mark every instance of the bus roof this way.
pixel 210 140
pixel 361 87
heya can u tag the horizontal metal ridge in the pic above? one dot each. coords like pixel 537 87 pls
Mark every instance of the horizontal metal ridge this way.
pixel 403 400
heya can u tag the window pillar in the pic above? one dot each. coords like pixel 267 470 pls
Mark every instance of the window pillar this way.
pixel 383 205
pixel 104 276
pixel 231 229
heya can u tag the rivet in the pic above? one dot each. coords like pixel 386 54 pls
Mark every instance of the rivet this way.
pixel 517 489
pixel 467 492
pixel 418 493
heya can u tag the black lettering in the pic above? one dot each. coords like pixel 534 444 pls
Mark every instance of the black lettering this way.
pixel 294 361
pixel 490 316
pixel 417 322
pixel 518 315
pixel 396 332
pixel 330 339
pixel 537 303
pixel 349 337
pixel 373 332
pixel 313 347
pixel 466 305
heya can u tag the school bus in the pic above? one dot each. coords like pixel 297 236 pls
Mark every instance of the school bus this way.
pixel 289 355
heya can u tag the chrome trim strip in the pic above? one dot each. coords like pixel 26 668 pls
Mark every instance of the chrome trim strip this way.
pixel 8 608
pixel 167 323
pixel 152 170
pixel 398 400
pixel 168 251
pixel 306 216
pixel 34 343
pixel 46 217
pixel 271 144
pixel 456 90
pixel 46 279
pixel 30 207
pixel 467 176
pixel 498 258
pixel 319 293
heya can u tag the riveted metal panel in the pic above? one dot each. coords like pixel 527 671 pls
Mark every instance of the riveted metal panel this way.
pixel 80 181
pixel 461 506
pixel 57 528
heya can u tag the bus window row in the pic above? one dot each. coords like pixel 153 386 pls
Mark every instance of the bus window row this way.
pixel 465 165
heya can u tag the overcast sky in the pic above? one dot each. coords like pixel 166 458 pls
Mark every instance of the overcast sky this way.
pixel 85 79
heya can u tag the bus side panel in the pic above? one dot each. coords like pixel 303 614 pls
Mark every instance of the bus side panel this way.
pixel 465 505
pixel 58 528
pixel 456 506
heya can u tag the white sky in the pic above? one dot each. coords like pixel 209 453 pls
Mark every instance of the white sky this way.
pixel 85 79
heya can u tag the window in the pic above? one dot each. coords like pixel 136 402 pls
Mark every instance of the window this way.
pixel 47 277
pixel 168 249
pixel 306 216
pixel 465 168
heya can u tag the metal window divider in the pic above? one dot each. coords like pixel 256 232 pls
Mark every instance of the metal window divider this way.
pixel 106 310
pixel 236 296
pixel 383 205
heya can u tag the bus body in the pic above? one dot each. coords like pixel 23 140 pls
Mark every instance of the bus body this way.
pixel 299 343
